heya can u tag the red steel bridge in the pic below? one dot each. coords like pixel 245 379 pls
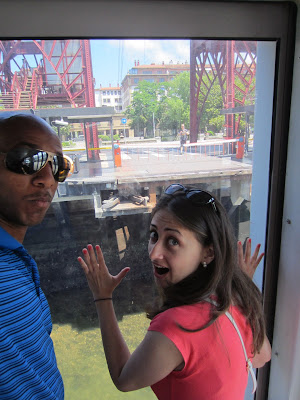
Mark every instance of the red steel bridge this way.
pixel 233 64
pixel 47 73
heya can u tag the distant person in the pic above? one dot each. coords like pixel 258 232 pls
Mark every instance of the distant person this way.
pixel 31 165
pixel 183 135
pixel 192 349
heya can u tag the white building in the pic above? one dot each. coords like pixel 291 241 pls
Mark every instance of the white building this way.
pixel 109 96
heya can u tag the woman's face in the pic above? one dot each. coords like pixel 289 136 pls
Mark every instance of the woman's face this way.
pixel 173 249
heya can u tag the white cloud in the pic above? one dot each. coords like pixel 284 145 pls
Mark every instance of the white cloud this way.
pixel 120 56
pixel 156 51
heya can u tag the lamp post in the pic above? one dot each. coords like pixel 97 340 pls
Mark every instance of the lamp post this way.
pixel 58 123
pixel 124 121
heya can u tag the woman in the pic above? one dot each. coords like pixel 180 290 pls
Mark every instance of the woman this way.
pixel 192 348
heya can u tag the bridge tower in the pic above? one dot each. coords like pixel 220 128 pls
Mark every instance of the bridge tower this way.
pixel 48 73
pixel 233 64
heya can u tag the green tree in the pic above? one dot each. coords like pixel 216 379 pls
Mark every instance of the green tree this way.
pixel 211 118
pixel 176 103
pixel 173 113
pixel 143 107
pixel 180 87
pixel 167 103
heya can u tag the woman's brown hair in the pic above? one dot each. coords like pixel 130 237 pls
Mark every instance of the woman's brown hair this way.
pixel 223 277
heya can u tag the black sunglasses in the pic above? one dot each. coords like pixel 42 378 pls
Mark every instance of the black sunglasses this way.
pixel 28 161
pixel 198 197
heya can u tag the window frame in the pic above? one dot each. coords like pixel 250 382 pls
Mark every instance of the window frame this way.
pixel 241 20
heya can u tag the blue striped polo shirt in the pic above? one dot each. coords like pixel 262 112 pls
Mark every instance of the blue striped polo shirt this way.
pixel 28 368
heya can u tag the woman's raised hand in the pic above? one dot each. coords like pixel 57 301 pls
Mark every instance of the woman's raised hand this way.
pixel 101 282
pixel 247 262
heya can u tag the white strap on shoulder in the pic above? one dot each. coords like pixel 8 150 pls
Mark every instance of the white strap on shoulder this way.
pixel 248 362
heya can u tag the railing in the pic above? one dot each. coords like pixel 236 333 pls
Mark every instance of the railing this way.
pixel 20 95
pixel 9 100
pixel 15 90
pixel 172 151
pixel 34 88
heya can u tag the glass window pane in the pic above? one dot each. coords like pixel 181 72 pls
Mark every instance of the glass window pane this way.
pixel 223 96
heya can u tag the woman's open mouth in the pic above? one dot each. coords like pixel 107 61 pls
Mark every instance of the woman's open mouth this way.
pixel 161 270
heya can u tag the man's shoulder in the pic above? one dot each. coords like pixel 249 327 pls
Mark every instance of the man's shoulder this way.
pixel 12 266
pixel 8 241
pixel 6 254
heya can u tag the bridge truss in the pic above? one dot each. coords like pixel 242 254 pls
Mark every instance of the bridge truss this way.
pixel 233 65
pixel 47 73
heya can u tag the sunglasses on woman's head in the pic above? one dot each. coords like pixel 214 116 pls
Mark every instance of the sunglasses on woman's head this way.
pixel 28 161
pixel 198 197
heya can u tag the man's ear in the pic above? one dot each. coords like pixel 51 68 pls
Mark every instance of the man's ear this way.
pixel 209 254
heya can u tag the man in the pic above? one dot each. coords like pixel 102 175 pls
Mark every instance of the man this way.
pixel 182 138
pixel 31 165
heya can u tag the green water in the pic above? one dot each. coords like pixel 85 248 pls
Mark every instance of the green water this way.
pixel 82 363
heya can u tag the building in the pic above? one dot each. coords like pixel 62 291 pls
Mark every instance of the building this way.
pixel 157 73
pixel 118 127
pixel 109 96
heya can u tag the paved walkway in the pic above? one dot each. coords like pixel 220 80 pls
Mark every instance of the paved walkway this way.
pixel 149 165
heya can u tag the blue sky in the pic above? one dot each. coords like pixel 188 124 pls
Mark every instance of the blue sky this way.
pixel 112 58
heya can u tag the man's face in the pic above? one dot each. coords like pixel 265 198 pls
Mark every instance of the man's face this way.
pixel 24 199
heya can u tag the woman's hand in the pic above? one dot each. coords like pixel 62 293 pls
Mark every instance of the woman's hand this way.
pixel 247 263
pixel 101 282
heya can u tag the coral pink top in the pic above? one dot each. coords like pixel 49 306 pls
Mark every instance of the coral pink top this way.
pixel 215 365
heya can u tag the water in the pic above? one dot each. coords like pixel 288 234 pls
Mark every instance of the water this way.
pixel 78 344
pixel 82 363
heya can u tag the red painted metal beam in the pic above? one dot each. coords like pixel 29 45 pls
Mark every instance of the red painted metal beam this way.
pixel 56 78
pixel 233 63
pixel 229 118
pixel 92 133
